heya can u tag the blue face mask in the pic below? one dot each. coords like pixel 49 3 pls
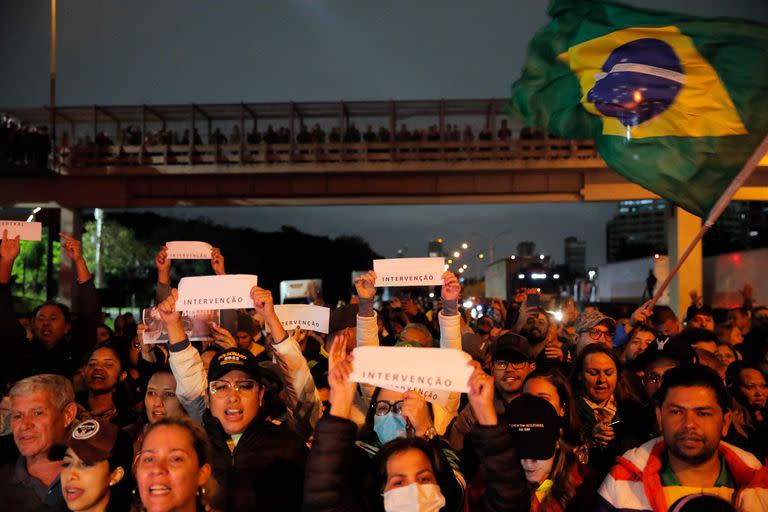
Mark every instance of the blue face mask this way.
pixel 389 426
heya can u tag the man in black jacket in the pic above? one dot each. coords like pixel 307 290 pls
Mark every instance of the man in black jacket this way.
pixel 59 345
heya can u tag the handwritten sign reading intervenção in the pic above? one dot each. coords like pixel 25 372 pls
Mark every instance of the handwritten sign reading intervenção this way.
pixel 303 316
pixel 183 250
pixel 409 272
pixel 405 368
pixel 216 292
pixel 24 230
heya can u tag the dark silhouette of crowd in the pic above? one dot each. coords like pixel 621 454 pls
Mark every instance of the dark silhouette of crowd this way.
pixel 23 147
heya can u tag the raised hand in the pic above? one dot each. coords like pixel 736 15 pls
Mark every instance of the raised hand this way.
pixel 222 337
pixel 10 248
pixel 163 264
pixel 338 351
pixel 342 390
pixel 265 306
pixel 263 302
pixel 641 315
pixel 72 247
pixel 167 308
pixel 74 250
pixel 366 285
pixel 217 261
pixel 451 288
pixel 172 318
pixel 416 410
pixel 481 396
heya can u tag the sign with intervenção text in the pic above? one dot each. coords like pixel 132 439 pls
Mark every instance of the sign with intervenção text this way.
pixel 32 231
pixel 434 372
pixel 189 250
pixel 409 272
pixel 304 316
pixel 231 291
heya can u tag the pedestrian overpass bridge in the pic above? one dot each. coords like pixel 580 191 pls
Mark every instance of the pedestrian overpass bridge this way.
pixel 118 174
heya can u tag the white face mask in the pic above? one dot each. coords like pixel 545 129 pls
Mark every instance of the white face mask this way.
pixel 414 498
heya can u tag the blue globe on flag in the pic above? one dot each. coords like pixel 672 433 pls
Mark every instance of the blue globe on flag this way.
pixel 638 81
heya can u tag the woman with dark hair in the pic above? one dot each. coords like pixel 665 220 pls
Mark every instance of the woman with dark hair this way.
pixel 553 387
pixel 173 467
pixel 610 422
pixel 96 468
pixel 105 397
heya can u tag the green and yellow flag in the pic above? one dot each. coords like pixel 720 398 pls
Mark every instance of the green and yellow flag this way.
pixel 675 103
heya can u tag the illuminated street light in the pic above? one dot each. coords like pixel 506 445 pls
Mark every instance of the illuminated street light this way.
pixel 450 261
pixel 431 295
pixel 541 256
pixel 481 255
pixel 521 276
pixel 512 257
pixel 465 245
pixel 456 254
pixel 461 271
pixel 556 276
pixel 464 266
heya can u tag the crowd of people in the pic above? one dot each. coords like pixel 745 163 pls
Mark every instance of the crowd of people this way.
pixel 133 136
pixel 23 146
pixel 652 412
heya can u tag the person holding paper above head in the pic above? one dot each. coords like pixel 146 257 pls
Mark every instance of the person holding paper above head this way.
pixel 410 471
pixel 450 337
pixel 58 345
pixel 257 464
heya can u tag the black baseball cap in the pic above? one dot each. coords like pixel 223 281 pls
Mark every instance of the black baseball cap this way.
pixel 234 359
pixel 535 426
pixel 674 348
pixel 513 347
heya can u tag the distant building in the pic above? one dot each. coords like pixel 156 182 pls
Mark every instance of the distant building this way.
pixel 575 256
pixel 640 229
pixel 526 249
pixel 435 248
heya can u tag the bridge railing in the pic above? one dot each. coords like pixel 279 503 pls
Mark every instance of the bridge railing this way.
pixel 312 153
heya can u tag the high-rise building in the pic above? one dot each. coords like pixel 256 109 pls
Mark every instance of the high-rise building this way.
pixel 575 256
pixel 640 229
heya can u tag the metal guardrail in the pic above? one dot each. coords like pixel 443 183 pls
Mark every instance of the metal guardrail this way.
pixel 312 153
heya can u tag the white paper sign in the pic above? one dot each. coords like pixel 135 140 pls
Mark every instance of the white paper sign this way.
pixel 189 250
pixel 24 230
pixel 409 272
pixel 216 292
pixel 431 371
pixel 304 316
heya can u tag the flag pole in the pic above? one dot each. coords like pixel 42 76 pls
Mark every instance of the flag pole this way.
pixel 714 214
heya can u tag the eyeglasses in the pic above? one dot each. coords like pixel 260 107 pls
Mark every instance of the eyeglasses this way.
pixel 596 334
pixel 382 407
pixel 501 364
pixel 224 387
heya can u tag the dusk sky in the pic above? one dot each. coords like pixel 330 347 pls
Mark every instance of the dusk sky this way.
pixel 174 51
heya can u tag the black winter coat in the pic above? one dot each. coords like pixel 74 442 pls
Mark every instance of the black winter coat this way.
pixel 265 472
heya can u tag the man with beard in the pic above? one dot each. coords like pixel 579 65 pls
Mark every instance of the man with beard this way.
pixel 692 412
pixel 593 327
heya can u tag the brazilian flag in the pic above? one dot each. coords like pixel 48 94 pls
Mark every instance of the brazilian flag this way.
pixel 674 103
